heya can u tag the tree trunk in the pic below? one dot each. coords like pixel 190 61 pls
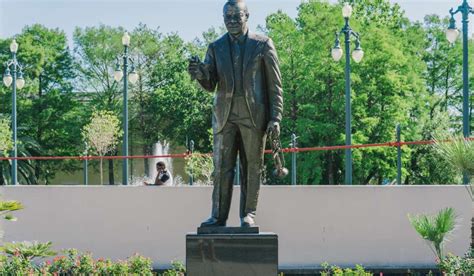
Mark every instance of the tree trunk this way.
pixel 111 172
pixel 146 151
pixel 330 168
pixel 39 128
pixel 101 173
pixel 446 91
pixel 294 101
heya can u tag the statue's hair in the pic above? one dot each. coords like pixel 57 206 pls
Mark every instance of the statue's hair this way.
pixel 235 2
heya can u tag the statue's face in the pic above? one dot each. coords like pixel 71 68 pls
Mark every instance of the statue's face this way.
pixel 235 18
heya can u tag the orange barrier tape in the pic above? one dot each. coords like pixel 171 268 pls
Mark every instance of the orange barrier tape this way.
pixel 184 155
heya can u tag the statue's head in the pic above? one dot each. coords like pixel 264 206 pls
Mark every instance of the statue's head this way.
pixel 236 15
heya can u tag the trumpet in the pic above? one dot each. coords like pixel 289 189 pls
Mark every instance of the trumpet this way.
pixel 278 158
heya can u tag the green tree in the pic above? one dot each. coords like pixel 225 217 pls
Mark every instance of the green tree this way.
pixel 200 167
pixel 387 87
pixel 96 49
pixel 165 104
pixel 48 115
pixel 102 135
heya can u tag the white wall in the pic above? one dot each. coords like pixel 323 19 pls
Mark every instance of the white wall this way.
pixel 342 225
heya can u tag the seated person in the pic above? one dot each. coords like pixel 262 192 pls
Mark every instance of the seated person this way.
pixel 162 175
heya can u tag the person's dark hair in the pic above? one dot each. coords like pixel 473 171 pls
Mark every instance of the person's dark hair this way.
pixel 161 164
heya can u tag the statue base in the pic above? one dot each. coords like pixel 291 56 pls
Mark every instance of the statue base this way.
pixel 227 230
pixel 232 254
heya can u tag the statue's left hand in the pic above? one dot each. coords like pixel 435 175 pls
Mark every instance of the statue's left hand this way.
pixel 273 126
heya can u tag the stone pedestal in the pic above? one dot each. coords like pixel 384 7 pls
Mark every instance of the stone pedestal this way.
pixel 232 254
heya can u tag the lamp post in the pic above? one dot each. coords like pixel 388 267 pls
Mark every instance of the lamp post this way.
pixel 357 55
pixel 121 70
pixel 191 150
pixel 452 34
pixel 14 75
pixel 294 145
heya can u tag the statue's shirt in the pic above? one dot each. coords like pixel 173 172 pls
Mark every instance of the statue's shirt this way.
pixel 239 111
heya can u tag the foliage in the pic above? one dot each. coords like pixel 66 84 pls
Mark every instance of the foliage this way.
pixel 410 73
pixel 382 96
pixel 57 120
pixel 454 265
pixel 96 50
pixel 19 262
pixel 177 269
pixel 140 265
pixel 16 266
pixel 169 105
pixel 76 263
pixel 102 134
pixel 200 166
pixel 426 166
pixel 6 141
pixel 28 250
pixel 435 229
pixel 6 207
pixel 26 147
pixel 335 270
pixel 166 104
pixel 458 152
pixel 49 115
pixel 443 77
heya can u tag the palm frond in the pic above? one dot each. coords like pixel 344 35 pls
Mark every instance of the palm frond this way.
pixel 435 229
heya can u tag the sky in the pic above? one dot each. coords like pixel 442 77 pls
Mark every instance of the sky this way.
pixel 188 18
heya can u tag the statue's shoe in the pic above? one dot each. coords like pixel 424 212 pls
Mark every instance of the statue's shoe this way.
pixel 213 222
pixel 248 221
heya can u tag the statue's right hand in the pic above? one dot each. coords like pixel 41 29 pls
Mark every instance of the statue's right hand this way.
pixel 194 68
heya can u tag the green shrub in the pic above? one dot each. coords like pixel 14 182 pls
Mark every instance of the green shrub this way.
pixel 6 207
pixel 28 250
pixel 337 271
pixel 177 269
pixel 458 151
pixel 120 268
pixel 200 167
pixel 434 229
pixel 18 261
pixel 454 265
pixel 61 265
pixel 140 265
pixel 103 267
pixel 85 264
pixel 16 265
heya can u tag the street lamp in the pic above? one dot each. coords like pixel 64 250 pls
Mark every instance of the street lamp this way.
pixel 357 55
pixel 14 75
pixel 452 34
pixel 121 70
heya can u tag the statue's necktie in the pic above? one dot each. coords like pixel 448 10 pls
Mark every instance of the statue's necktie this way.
pixel 237 59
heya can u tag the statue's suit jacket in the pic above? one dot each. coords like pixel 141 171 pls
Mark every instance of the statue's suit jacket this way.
pixel 261 80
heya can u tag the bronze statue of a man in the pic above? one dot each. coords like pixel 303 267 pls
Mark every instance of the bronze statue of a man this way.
pixel 248 103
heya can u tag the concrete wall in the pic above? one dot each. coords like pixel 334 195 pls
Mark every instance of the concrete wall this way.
pixel 342 225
